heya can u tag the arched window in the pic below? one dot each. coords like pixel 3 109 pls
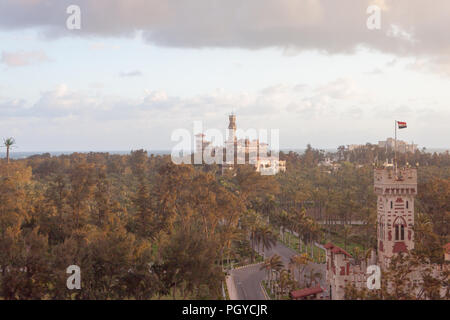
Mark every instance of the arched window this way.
pixel 407 204
pixel 399 225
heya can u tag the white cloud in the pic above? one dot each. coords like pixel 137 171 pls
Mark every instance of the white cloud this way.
pixel 134 73
pixel 102 46
pixel 276 99
pixel 339 89
pixel 323 114
pixel 22 58
pixel 155 96
pixel 398 32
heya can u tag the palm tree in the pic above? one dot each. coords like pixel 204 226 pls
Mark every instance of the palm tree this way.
pixel 8 142
pixel 266 266
pixel 299 228
pixel 285 281
pixel 266 237
pixel 250 223
pixel 315 235
pixel 300 262
pixel 284 223
pixel 275 266
pixel 255 238
pixel 271 265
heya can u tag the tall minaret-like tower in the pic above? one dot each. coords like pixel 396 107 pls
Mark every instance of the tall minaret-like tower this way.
pixel 232 129
pixel 395 211
pixel 231 143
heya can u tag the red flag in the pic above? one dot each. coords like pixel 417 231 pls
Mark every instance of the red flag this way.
pixel 401 125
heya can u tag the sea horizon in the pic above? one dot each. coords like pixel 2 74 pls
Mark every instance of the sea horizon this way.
pixel 25 154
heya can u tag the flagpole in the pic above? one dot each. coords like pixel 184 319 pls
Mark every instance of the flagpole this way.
pixel 395 148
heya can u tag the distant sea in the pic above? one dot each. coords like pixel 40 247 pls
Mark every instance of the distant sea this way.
pixel 25 154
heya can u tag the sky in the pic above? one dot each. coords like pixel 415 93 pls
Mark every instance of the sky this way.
pixel 138 70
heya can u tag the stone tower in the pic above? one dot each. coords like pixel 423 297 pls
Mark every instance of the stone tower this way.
pixel 395 211
pixel 231 144
pixel 232 128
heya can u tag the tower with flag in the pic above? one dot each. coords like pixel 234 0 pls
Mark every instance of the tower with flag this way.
pixel 396 192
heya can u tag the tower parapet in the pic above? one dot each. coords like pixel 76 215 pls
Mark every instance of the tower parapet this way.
pixel 386 182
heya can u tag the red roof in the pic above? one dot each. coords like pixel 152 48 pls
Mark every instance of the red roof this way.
pixel 338 250
pixel 329 245
pixel 399 247
pixel 305 292
pixel 447 248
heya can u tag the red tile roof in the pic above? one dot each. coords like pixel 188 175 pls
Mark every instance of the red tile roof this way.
pixel 305 292
pixel 399 247
pixel 329 245
pixel 337 250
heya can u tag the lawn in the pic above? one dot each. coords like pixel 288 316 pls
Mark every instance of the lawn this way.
pixel 292 242
pixel 337 239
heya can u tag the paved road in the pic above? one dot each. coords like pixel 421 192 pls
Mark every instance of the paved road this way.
pixel 248 279
pixel 286 254
pixel 248 283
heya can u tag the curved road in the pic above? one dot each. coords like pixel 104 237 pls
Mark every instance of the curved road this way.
pixel 248 279
pixel 248 282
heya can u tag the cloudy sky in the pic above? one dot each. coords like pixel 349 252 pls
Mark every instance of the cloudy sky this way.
pixel 139 69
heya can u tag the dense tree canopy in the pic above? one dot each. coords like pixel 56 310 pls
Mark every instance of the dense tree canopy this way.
pixel 140 227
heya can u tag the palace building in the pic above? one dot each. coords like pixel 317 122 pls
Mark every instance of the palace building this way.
pixel 241 151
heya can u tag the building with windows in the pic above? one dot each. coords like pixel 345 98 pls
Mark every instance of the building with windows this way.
pixel 402 146
pixel 395 211
pixel 396 192
pixel 388 144
pixel 241 151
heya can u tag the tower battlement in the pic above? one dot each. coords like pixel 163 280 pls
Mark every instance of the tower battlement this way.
pixel 386 182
